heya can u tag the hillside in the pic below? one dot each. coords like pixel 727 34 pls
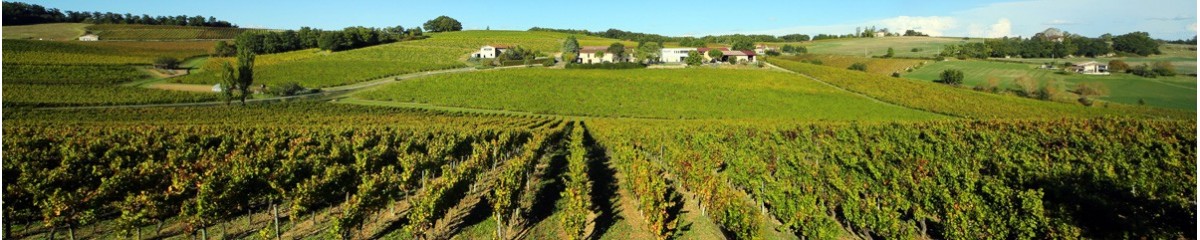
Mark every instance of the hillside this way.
pixel 49 31
pixel 650 93
pixel 1178 92
pixel 314 68
pixel 865 47
pixel 163 32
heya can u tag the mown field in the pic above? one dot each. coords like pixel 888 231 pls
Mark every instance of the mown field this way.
pixel 49 31
pixel 1178 92
pixel 163 32
pixel 963 102
pixel 315 69
pixel 866 47
pixel 880 66
pixel 648 93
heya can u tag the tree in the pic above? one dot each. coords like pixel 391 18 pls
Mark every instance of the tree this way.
pixel 649 52
pixel 890 53
pixel 715 55
pixel 223 49
pixel 1117 66
pixel 570 45
pixel 569 57
pixel 694 58
pixel 858 67
pixel 332 41
pixel 951 77
pixel 1144 71
pixel 443 24
pixel 229 80
pixel 245 68
pixel 617 50
pixel 742 44
pixel 166 63
pixel 1138 43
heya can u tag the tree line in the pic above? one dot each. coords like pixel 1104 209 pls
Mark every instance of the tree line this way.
pixel 19 13
pixel 307 37
pixel 1043 46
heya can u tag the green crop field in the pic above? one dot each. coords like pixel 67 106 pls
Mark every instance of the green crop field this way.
pixel 1169 92
pixel 163 32
pixel 48 31
pixel 650 93
pixel 962 102
pixel 315 69
pixel 866 47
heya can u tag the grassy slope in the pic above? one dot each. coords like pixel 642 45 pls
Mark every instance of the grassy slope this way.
pixel 865 47
pixel 962 102
pixel 882 66
pixel 1170 92
pixel 314 68
pixel 653 93
pixel 49 31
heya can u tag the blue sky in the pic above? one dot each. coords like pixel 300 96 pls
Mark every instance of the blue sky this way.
pixel 1168 19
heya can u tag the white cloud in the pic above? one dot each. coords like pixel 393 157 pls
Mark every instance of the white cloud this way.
pixel 1002 28
pixel 932 25
pixel 1192 27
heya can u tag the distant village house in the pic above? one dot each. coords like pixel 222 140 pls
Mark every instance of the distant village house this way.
pixel 89 38
pixel 489 51
pixel 600 54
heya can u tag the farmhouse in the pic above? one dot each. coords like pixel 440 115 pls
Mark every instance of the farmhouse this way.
pixel 600 54
pixel 675 55
pixel 726 55
pixel 1090 68
pixel 89 38
pixel 763 49
pixel 489 51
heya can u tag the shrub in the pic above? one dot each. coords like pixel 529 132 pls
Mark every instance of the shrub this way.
pixel 760 64
pixel 951 76
pixel 1163 68
pixel 733 60
pixel 773 53
pixel 896 74
pixel 858 67
pixel 548 62
pixel 694 58
pixel 286 89
pixel 1144 71
pixel 1117 66
pixel 1027 85
pixel 166 63
pixel 619 65
pixel 916 50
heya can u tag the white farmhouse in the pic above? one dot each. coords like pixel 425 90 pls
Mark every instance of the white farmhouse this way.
pixel 675 55
pixel 489 51
pixel 1090 68
pixel 600 54
pixel 89 38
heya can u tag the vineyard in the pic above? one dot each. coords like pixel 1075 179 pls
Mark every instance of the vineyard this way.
pixel 163 32
pixel 996 179
pixel 878 66
pixel 83 85
pixel 646 93
pixel 98 53
pixel 962 102
pixel 320 170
